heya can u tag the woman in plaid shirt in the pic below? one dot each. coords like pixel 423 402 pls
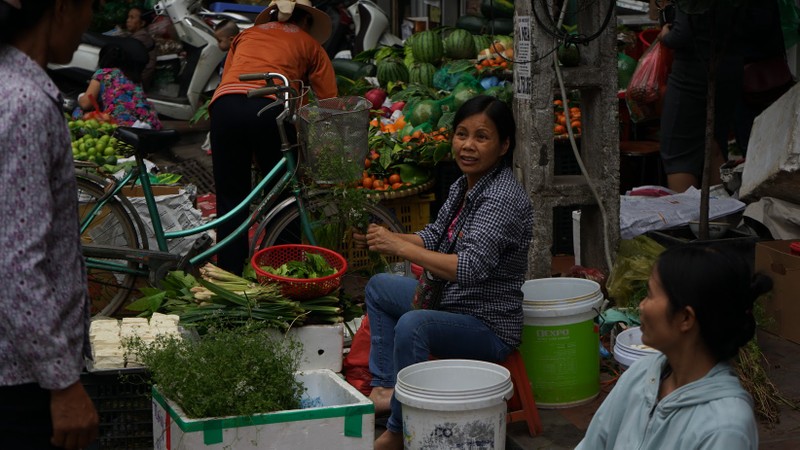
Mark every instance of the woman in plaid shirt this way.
pixel 489 215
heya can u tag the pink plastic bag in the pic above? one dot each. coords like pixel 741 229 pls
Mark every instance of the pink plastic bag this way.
pixel 645 93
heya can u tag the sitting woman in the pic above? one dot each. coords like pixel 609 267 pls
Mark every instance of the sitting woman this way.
pixel 698 312
pixel 115 88
pixel 477 249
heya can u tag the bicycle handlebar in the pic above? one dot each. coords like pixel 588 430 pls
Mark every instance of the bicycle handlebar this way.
pixel 253 76
pixel 269 90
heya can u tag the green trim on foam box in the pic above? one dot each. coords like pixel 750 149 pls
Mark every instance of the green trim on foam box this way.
pixel 212 427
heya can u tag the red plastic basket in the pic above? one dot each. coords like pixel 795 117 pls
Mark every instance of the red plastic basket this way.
pixel 299 288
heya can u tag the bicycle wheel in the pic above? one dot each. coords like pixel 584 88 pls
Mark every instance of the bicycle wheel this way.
pixel 112 225
pixel 328 231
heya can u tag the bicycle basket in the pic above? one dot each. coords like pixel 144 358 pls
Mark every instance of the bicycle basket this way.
pixel 299 288
pixel 334 133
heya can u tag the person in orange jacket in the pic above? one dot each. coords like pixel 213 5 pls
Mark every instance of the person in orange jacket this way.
pixel 286 38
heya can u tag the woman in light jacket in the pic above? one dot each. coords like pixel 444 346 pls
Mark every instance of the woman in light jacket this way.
pixel 698 312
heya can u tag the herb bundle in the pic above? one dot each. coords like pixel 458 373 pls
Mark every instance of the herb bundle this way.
pixel 227 372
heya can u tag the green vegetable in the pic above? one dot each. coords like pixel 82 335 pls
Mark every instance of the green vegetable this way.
pixel 312 266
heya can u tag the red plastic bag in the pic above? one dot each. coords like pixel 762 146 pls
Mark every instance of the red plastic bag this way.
pixel 355 366
pixel 645 93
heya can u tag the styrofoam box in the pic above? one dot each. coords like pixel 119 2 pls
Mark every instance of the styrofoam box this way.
pixel 323 346
pixel 345 420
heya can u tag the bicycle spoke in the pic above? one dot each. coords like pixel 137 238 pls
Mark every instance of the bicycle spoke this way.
pixel 110 225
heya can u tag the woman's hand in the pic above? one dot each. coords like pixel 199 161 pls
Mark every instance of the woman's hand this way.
pixel 84 101
pixel 359 239
pixel 75 419
pixel 381 240
pixel 664 30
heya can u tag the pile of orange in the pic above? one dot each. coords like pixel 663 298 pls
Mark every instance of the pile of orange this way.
pixel 495 57
pixel 560 118
pixel 418 137
pixel 376 183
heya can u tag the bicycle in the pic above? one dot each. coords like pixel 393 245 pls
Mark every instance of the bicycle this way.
pixel 113 234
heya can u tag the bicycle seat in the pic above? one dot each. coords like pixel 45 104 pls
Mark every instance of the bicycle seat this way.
pixel 147 141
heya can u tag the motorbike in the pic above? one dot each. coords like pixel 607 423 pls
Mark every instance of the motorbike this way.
pixel 357 26
pixel 193 74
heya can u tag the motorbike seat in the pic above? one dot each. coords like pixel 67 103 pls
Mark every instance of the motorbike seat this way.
pixel 146 141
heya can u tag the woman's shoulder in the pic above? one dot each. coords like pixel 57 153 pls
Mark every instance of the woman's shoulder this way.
pixel 505 186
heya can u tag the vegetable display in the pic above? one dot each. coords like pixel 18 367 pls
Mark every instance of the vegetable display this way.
pixel 219 295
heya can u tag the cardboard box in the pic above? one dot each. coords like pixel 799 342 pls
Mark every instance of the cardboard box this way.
pixel 782 306
pixel 335 416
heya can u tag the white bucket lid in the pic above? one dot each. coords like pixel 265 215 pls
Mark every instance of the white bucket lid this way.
pixel 563 296
pixel 453 385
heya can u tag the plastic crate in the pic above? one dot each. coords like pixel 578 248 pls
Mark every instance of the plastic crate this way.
pixel 413 212
pixel 124 404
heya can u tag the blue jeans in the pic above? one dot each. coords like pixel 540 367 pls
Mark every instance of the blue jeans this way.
pixel 400 336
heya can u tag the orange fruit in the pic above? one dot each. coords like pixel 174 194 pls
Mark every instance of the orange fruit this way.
pixel 559 129
pixel 377 184
pixel 367 163
pixel 397 185
pixel 394 179
pixel 366 183
pixel 575 124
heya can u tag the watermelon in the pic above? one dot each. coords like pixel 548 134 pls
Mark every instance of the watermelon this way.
pixel 351 69
pixel 500 26
pixel 427 47
pixel 425 111
pixel 392 70
pixel 474 25
pixel 422 73
pixel 464 92
pixel 482 41
pixel 459 45
pixel 497 8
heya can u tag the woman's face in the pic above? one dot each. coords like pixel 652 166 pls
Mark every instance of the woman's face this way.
pixel 658 325
pixel 477 147
pixel 134 22
pixel 71 19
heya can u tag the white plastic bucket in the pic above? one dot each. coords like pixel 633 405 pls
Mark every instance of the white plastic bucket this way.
pixel 560 341
pixel 454 403
pixel 628 347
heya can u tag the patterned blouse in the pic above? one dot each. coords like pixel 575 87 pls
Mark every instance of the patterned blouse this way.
pixel 124 99
pixel 44 306
pixel 492 249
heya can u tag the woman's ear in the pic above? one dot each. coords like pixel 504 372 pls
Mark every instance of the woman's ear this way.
pixel 505 145
pixel 687 318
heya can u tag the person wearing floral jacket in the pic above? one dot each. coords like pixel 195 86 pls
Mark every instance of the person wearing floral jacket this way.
pixel 116 89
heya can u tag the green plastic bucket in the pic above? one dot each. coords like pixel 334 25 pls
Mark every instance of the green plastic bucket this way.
pixel 560 341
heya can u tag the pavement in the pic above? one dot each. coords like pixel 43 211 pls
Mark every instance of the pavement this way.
pixel 563 428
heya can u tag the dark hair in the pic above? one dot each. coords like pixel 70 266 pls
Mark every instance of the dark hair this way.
pixel 498 112
pixel 13 21
pixel 228 26
pixel 114 56
pixel 144 14
pixel 717 281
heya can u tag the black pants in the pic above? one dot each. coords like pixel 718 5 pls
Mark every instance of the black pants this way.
pixel 238 136
pixel 25 420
